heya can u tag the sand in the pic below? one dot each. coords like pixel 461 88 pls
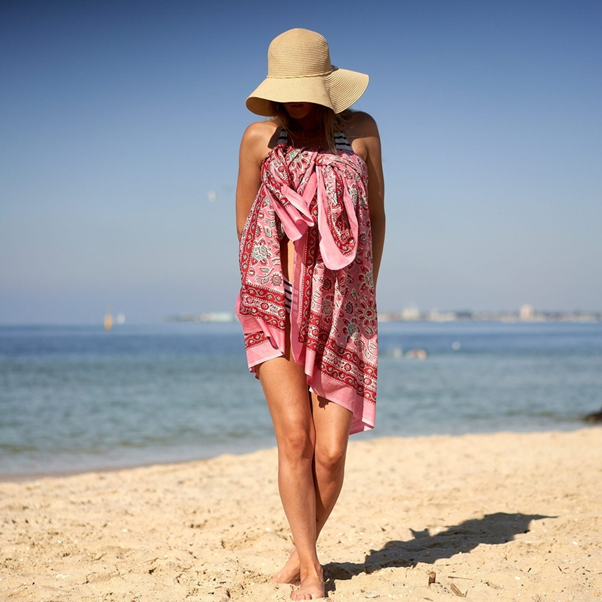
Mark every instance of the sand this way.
pixel 492 517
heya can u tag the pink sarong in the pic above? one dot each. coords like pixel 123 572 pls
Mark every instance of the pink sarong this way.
pixel 319 200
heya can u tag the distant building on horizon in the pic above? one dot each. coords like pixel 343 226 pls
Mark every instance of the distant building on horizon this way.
pixel 526 312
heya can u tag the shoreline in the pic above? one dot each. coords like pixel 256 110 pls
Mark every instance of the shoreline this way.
pixel 20 477
pixel 496 516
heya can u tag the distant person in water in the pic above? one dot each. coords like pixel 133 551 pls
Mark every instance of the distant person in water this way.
pixel 311 223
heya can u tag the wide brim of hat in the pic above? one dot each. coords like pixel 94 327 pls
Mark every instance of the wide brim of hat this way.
pixel 338 90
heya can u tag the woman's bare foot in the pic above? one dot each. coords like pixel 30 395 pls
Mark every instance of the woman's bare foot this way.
pixel 311 588
pixel 290 572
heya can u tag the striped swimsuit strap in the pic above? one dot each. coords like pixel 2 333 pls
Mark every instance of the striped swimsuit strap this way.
pixel 340 140
pixel 288 295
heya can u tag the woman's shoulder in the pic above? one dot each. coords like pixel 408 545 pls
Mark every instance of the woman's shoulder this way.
pixel 261 131
pixel 361 125
pixel 260 137
pixel 362 133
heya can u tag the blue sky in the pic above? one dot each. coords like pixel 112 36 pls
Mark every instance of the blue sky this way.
pixel 119 121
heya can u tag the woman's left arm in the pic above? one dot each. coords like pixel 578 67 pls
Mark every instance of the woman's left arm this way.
pixel 376 187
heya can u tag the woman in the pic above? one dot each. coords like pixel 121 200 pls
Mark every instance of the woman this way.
pixel 311 223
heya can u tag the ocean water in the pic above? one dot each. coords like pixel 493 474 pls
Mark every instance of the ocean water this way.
pixel 78 398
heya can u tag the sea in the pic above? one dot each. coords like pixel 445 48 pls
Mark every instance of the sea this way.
pixel 77 398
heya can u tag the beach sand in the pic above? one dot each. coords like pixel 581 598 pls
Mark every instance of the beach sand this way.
pixel 495 517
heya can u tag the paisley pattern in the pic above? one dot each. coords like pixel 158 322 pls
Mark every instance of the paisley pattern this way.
pixel 319 200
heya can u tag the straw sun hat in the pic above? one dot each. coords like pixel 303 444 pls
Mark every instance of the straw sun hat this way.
pixel 299 70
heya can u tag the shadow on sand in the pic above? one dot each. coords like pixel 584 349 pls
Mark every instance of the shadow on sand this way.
pixel 492 529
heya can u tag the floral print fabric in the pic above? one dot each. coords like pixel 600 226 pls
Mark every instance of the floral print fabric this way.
pixel 319 200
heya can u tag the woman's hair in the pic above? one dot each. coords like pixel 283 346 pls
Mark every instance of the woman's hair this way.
pixel 332 122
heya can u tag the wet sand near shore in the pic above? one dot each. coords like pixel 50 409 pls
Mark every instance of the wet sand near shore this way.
pixel 503 517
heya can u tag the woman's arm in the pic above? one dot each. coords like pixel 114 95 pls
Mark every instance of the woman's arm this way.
pixel 255 145
pixel 366 142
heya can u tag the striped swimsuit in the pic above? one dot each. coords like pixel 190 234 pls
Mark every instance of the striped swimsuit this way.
pixel 340 140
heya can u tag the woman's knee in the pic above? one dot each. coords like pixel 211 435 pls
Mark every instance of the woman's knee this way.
pixel 331 457
pixel 296 444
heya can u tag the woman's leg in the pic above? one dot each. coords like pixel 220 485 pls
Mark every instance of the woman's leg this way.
pixel 331 424
pixel 285 389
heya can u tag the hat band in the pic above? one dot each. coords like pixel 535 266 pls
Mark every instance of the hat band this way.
pixel 302 76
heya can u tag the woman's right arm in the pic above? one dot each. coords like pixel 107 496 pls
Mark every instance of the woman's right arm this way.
pixel 253 148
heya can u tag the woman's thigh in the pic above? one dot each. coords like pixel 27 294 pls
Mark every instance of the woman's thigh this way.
pixel 286 392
